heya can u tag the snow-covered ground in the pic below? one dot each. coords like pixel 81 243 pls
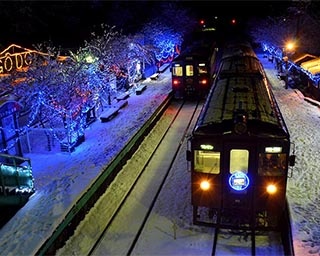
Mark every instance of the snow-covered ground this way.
pixel 62 178
pixel 302 119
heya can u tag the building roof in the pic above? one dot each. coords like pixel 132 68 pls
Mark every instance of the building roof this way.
pixel 299 58
pixel 312 66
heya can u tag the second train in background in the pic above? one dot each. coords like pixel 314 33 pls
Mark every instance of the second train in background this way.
pixel 193 71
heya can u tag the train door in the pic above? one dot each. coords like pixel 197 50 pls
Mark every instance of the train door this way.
pixel 189 77
pixel 203 79
pixel 177 76
pixel 236 180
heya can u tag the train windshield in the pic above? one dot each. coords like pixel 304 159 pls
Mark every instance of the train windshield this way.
pixel 189 70
pixel 207 161
pixel 202 69
pixel 271 164
pixel 239 160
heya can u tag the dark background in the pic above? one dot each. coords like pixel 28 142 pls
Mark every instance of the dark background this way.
pixel 69 23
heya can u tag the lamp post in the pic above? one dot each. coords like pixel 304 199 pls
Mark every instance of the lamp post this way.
pixel 285 59
pixel 288 48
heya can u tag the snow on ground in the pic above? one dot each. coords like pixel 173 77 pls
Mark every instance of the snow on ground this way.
pixel 62 178
pixel 302 119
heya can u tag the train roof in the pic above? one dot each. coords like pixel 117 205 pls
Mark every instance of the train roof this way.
pixel 241 65
pixel 238 49
pixel 196 51
pixel 241 90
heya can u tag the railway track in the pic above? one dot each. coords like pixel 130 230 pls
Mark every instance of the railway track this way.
pixel 250 242
pixel 256 242
pixel 140 187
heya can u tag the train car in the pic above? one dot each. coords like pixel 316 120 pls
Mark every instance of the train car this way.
pixel 239 149
pixel 16 180
pixel 192 71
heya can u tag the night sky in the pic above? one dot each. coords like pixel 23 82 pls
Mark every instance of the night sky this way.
pixel 69 23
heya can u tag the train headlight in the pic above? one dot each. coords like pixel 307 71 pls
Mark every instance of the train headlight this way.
pixel 205 185
pixel 271 189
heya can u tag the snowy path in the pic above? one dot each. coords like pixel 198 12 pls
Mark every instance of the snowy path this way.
pixel 302 119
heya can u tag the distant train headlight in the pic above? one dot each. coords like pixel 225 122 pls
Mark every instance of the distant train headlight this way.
pixel 271 189
pixel 205 185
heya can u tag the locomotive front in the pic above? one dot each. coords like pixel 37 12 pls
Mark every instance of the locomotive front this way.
pixel 192 72
pixel 238 182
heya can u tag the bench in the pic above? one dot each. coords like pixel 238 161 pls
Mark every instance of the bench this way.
pixel 122 96
pixel 66 146
pixel 112 111
pixel 140 89
pixel 155 76
pixel 121 104
pixel 108 114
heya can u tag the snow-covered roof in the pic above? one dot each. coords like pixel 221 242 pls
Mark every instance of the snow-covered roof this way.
pixel 312 66
pixel 299 58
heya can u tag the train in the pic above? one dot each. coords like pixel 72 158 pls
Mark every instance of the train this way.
pixel 193 70
pixel 16 180
pixel 239 151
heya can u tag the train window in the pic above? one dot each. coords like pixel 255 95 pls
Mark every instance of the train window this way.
pixel 177 71
pixel 239 160
pixel 202 69
pixel 272 164
pixel 189 70
pixel 207 161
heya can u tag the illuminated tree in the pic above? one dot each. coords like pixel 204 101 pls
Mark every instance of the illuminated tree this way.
pixel 116 56
pixel 164 39
pixel 101 48
pixel 167 29
pixel 131 52
pixel 56 93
